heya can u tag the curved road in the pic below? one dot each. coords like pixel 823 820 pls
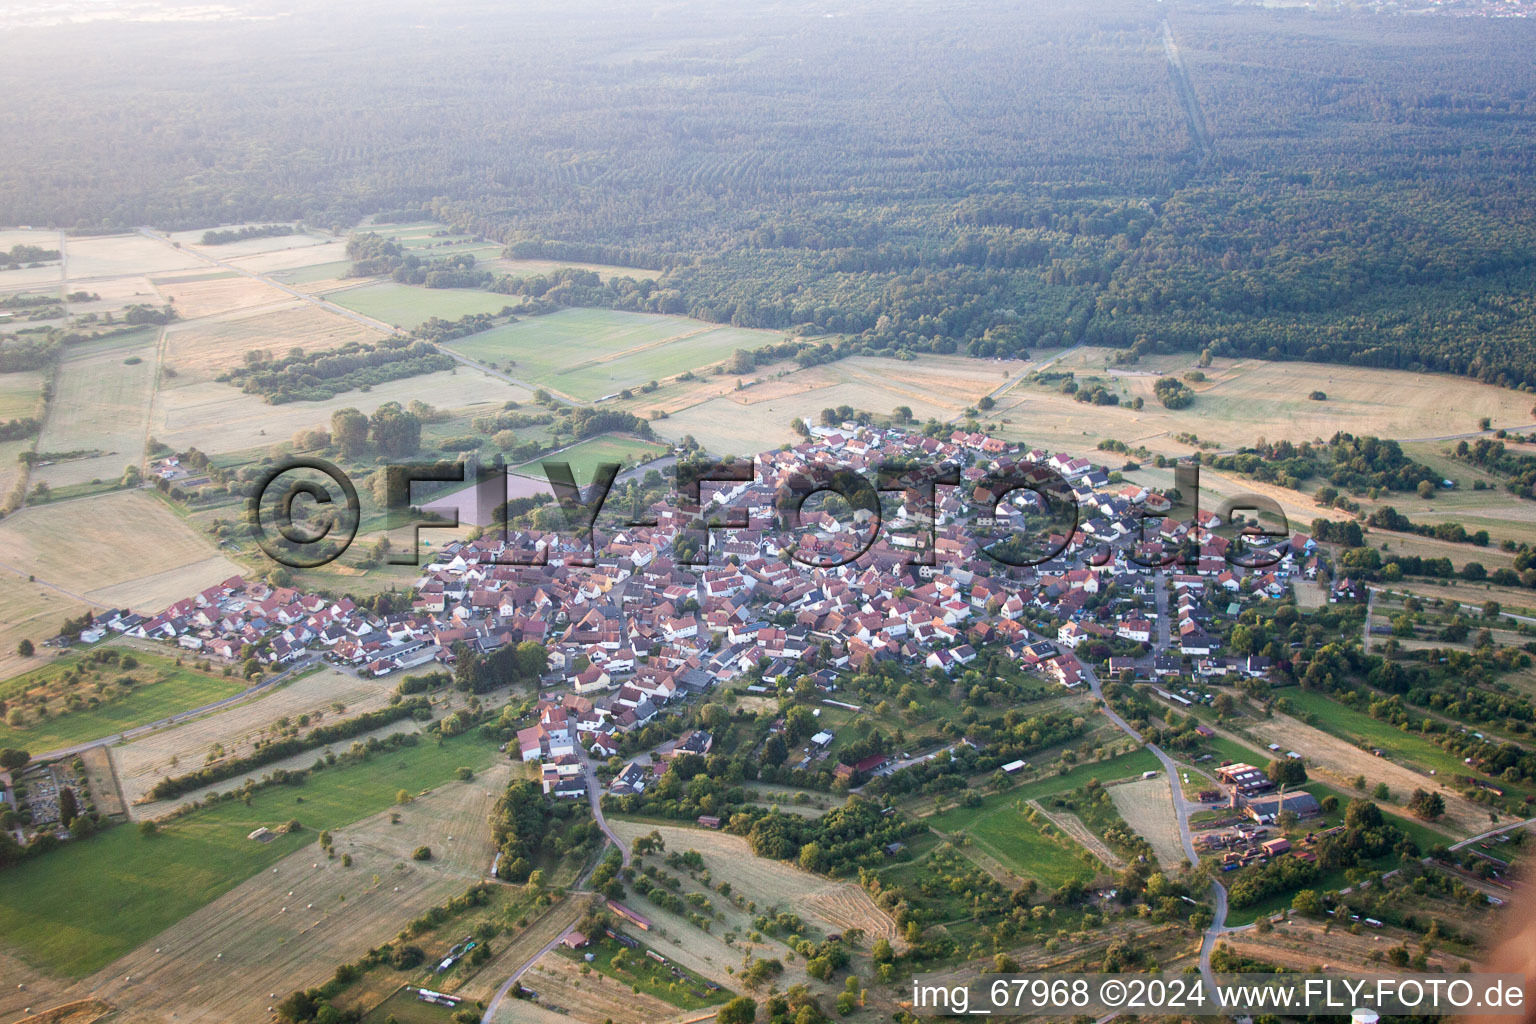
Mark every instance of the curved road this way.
pixel 506 986
pixel 1181 806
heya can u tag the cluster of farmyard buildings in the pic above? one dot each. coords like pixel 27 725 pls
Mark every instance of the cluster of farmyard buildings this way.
pixel 641 629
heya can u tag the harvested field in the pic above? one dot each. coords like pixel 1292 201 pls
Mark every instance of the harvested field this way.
pixel 250 246
pixel 222 962
pixel 848 906
pixel 220 418
pixel 516 951
pixel 103 781
pixel 770 882
pixel 101 403
pixel 203 349
pixel 329 251
pixel 95 550
pixel 184 747
pixel 27 990
pixel 759 416
pixel 1302 944
pixel 115 294
pixel 21 394
pixel 1247 398
pixel 81 1011
pixel 1147 807
pixel 528 268
pixel 1338 762
pixel 218 291
pixel 1081 834
pixel 119 255
pixel 29 611
pixel 592 998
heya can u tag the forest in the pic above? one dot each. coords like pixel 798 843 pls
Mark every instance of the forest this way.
pixel 985 179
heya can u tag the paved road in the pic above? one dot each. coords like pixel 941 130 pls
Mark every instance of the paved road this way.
pixel 1181 806
pixel 595 797
pixel 506 986
pixel 182 716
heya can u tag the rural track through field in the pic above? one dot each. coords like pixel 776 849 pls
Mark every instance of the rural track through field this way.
pixel 182 716
pixel 564 914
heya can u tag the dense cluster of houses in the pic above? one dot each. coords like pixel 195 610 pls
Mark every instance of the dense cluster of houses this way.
pixel 641 629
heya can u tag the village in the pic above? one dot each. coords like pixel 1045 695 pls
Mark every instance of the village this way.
pixel 640 631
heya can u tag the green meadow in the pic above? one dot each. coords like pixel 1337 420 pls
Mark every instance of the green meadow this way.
pixel 76 909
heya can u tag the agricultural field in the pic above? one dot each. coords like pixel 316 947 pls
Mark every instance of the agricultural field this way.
pixel 248 246
pixel 587 455
pixel 29 611
pixel 218 418
pixel 276 261
pixel 89 903
pixel 200 350
pixel 121 255
pixel 406 306
pixel 289 925
pixel 114 294
pixel 589 353
pixel 21 394
pixel 145 760
pixel 1245 399
pixel 159 687
pixel 1301 944
pixel 96 550
pixel 216 291
pixel 1147 807
pixel 101 404
pixel 759 416
pixel 529 268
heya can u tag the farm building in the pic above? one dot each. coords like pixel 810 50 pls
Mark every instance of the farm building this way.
pixel 1265 810
pixel 638 920
pixel 1245 778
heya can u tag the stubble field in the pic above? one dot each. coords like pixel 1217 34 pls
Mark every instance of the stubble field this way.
pixel 289 926
pixel 124 550
pixel 101 402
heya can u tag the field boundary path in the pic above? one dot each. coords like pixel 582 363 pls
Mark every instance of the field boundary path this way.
pixel 1074 828
pixel 182 716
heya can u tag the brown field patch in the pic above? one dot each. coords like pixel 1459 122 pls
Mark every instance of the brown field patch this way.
pixel 185 747
pixel 101 404
pixel 82 1011
pixel 1081 834
pixel 1338 762
pixel 328 251
pixel 201 350
pixel 1147 807
pixel 266 948
pixel 124 549
pixel 516 951
pixel 26 990
pixel 102 781
pixel 1247 399
pixel 1303 944
pixel 29 611
pixel 749 420
pixel 220 418
pixel 119 255
pixel 115 294
pixel 218 292
pixel 592 998
pixel 848 906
